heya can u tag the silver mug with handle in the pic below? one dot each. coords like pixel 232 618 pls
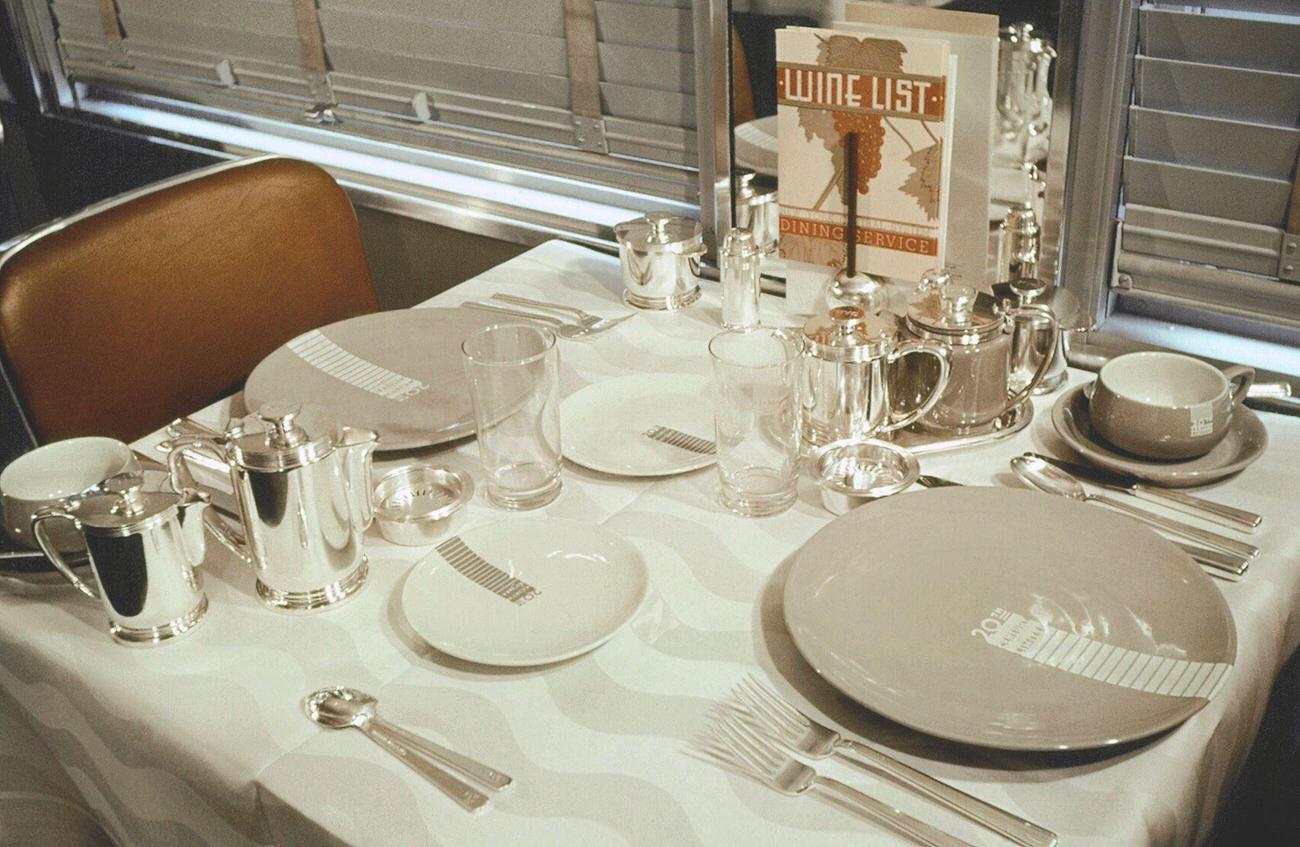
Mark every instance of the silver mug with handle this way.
pixel 303 486
pixel 143 549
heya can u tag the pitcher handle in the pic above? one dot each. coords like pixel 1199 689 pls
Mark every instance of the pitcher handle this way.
pixel 930 349
pixel 50 513
pixel 182 479
pixel 1241 378
pixel 1049 356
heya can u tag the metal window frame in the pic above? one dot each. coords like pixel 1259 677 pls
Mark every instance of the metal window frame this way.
pixel 214 125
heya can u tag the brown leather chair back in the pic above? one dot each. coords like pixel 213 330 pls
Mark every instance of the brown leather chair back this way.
pixel 151 306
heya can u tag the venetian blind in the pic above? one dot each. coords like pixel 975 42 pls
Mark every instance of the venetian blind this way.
pixel 1211 210
pixel 611 77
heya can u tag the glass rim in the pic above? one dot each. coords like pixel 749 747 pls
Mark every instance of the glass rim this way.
pixel 781 333
pixel 548 337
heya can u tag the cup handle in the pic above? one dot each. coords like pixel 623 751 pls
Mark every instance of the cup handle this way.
pixel 1241 378
pixel 1054 328
pixel 183 480
pixel 929 349
pixel 56 558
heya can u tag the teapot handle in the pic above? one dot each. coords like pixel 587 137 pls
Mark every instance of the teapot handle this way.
pixel 930 349
pixel 182 479
pixel 1035 311
pixel 56 558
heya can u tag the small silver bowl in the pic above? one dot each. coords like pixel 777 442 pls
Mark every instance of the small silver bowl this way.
pixel 856 471
pixel 415 505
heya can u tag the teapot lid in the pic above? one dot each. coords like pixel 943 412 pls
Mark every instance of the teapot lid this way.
pixel 282 436
pixel 124 507
pixel 955 310
pixel 662 232
pixel 851 334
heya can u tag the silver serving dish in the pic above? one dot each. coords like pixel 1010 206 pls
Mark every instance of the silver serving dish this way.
pixel 1007 425
pixel 415 505
pixel 853 471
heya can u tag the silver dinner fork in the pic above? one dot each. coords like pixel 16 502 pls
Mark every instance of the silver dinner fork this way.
pixel 810 738
pixel 590 321
pixel 559 327
pixel 738 745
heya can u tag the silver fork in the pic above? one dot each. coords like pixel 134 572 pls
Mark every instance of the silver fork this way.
pixel 738 745
pixel 590 321
pixel 559 327
pixel 804 735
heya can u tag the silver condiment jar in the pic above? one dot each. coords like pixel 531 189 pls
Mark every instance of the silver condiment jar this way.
pixel 659 254
pixel 758 212
pixel 977 334
pixel 143 548
pixel 415 505
pixel 849 355
pixel 739 273
pixel 1018 239
pixel 303 485
pixel 854 472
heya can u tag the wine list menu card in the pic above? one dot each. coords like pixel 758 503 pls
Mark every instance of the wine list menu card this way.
pixel 894 93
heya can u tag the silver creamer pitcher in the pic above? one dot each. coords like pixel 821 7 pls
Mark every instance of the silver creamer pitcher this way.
pixel 303 485
pixel 143 547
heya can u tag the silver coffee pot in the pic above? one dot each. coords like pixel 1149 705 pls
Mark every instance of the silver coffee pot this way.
pixel 303 486
pixel 144 548
pixel 849 359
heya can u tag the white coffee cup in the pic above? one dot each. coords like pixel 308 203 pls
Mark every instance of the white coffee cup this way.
pixel 49 475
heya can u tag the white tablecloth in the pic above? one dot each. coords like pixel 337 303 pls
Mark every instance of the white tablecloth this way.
pixel 206 741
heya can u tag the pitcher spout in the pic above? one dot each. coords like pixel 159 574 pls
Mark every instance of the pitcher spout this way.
pixel 358 445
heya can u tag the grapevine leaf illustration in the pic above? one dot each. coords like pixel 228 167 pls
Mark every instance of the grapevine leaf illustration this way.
pixel 922 184
pixel 831 127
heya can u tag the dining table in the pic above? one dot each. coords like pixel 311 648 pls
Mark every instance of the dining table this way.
pixel 206 740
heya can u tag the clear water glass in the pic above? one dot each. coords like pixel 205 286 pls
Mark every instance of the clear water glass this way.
pixel 756 418
pixel 513 372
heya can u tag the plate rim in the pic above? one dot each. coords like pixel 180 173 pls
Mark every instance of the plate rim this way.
pixel 642 573
pixel 1161 473
pixel 1074 743
pixel 703 461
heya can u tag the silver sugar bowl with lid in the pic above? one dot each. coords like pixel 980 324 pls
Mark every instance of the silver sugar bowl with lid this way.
pixel 659 254
pixel 849 359
pixel 303 485
pixel 144 547
pixel 977 333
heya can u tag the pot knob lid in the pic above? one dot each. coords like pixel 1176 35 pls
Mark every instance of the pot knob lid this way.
pixel 124 504
pixel 282 435
pixel 955 309
pixel 850 332
pixel 662 232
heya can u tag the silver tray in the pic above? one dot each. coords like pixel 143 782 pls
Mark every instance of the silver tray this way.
pixel 1010 422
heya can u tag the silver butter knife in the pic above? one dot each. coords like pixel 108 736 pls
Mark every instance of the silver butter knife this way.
pixel 1219 513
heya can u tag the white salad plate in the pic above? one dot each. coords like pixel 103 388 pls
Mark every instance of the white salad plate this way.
pixel 399 373
pixel 585 583
pixel 604 424
pixel 1009 619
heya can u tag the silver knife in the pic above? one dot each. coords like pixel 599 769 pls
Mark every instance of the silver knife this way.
pixel 1229 516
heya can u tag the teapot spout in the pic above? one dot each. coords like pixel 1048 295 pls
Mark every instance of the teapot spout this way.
pixel 358 445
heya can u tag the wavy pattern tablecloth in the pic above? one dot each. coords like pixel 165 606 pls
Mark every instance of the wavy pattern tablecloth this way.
pixel 205 741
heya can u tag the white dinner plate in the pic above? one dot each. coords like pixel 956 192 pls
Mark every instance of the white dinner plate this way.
pixel 604 425
pixel 399 373
pixel 586 583
pixel 1009 619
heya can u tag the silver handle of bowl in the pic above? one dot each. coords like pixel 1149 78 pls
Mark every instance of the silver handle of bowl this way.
pixel 51 552
pixel 182 479
pixel 1019 313
pixel 927 348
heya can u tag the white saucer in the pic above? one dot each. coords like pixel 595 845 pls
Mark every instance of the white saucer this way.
pixel 588 583
pixel 604 424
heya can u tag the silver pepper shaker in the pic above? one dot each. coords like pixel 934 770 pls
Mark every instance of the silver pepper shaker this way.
pixel 739 259
pixel 1018 244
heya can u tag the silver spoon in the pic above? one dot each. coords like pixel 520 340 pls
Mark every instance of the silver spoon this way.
pixel 1052 480
pixel 339 708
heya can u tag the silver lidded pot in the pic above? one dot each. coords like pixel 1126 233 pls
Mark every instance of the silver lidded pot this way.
pixel 849 359
pixel 659 254
pixel 303 485
pixel 1027 351
pixel 144 548
pixel 977 334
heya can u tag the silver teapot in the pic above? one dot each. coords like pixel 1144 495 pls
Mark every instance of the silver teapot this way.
pixel 143 547
pixel 303 486
pixel 850 356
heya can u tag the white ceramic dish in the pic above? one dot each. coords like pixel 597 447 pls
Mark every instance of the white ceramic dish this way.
pixel 1009 619
pixel 589 583
pixel 46 475
pixel 604 424
pixel 412 350
pixel 1244 442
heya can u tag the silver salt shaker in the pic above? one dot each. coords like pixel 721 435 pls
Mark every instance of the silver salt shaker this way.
pixel 739 260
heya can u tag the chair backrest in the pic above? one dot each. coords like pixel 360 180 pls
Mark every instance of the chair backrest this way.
pixel 152 305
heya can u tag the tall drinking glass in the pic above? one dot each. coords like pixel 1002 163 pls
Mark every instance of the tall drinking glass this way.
pixel 513 372
pixel 756 419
